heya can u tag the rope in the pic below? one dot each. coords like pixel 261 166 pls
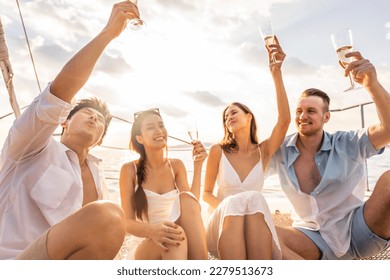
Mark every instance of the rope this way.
pixel 9 114
pixel 114 117
pixel 178 139
pixel 29 48
pixel 127 121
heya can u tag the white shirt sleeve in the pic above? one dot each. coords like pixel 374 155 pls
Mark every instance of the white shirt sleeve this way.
pixel 32 130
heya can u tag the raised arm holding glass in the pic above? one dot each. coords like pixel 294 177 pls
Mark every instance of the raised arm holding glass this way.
pixel 49 189
pixel 240 226
pixel 323 175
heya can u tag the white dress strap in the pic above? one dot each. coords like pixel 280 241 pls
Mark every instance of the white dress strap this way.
pixel 173 173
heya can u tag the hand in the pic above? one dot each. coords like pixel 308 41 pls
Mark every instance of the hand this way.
pixel 199 152
pixel 121 13
pixel 276 55
pixel 361 69
pixel 166 234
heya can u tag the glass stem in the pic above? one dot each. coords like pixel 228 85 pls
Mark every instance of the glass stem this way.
pixel 351 80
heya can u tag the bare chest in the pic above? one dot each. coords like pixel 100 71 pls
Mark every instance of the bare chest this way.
pixel 160 181
pixel 307 173
pixel 89 188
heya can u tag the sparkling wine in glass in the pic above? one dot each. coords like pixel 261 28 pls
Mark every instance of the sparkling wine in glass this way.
pixel 135 23
pixel 343 44
pixel 267 34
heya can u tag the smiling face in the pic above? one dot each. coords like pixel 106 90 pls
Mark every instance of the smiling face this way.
pixel 153 132
pixel 148 132
pixel 235 118
pixel 311 115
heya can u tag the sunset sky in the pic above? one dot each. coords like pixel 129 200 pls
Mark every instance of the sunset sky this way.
pixel 195 57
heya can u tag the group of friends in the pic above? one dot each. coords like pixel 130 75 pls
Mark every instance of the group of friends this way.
pixel 52 192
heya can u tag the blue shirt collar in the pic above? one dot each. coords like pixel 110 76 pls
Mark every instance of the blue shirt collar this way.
pixel 326 145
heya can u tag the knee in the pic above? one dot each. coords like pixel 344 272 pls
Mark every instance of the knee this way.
pixel 189 203
pixel 385 178
pixel 106 217
pixel 383 184
pixel 183 233
pixel 283 234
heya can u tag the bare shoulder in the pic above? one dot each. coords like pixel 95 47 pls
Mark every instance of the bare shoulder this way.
pixel 176 163
pixel 215 150
pixel 128 170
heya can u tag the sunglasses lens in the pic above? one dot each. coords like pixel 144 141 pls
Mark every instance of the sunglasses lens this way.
pixel 137 114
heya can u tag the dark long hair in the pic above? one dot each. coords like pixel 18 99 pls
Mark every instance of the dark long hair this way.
pixel 229 143
pixel 140 202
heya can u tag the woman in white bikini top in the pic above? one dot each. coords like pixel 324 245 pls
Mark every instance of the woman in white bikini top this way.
pixel 160 207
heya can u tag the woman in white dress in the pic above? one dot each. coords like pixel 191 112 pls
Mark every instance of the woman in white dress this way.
pixel 163 217
pixel 241 225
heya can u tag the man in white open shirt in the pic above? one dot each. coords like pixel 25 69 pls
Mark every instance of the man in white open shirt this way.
pixel 323 175
pixel 49 189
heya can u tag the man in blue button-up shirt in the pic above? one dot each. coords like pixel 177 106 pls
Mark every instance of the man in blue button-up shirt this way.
pixel 324 177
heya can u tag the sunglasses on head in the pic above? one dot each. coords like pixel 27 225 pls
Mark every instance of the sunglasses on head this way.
pixel 137 114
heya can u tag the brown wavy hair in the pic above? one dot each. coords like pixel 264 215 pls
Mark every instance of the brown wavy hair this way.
pixel 229 143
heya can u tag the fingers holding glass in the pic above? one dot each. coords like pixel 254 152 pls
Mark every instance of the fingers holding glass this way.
pixel 343 44
pixel 199 152
pixel 269 39
pixel 276 52
pixel 135 23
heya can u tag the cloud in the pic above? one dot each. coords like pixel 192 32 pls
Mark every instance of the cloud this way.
pixel 253 54
pixel 206 98
pixel 172 111
pixel 51 54
pixel 113 65
pixel 295 66
pixel 171 11
pixel 182 5
pixel 387 25
pixel 57 20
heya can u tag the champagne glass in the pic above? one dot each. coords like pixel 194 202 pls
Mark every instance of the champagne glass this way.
pixel 267 34
pixel 192 129
pixel 342 42
pixel 135 23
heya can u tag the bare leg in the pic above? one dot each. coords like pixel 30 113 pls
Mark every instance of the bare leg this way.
pixel 231 245
pixel 179 252
pixel 377 207
pixel 147 250
pixel 192 223
pixel 258 237
pixel 296 245
pixel 96 231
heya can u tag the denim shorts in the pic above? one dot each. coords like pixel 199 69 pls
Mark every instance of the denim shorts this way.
pixel 364 243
